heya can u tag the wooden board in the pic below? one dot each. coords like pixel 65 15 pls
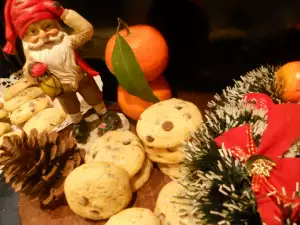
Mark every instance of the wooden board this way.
pixel 31 214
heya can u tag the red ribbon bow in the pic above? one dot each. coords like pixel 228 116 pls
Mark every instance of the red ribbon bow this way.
pixel 273 178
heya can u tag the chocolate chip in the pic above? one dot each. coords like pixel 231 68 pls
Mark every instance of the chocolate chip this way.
pixel 95 212
pixel 167 126
pixel 32 110
pixel 83 201
pixel 94 155
pixel 127 142
pixel 170 150
pixel 187 116
pixel 178 107
pixel 162 218
pixel 149 138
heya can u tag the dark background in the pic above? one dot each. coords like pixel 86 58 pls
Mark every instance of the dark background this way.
pixel 211 42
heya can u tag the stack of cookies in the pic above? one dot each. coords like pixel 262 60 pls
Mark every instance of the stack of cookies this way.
pixel 164 128
pixel 124 149
pixel 24 103
pixel 116 167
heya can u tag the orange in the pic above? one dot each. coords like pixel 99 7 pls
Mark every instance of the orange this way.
pixel 133 106
pixel 149 47
pixel 288 80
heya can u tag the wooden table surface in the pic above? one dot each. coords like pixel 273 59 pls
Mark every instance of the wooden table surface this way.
pixel 31 214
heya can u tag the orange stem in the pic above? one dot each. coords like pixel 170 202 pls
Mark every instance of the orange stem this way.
pixel 122 23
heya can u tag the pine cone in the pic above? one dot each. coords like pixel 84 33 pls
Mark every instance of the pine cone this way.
pixel 37 165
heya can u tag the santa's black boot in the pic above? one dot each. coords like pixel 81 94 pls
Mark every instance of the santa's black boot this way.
pixel 81 131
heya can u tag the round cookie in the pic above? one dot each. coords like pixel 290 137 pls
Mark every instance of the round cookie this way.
pixel 168 123
pixel 98 190
pixel 3 114
pixel 120 147
pixel 173 170
pixel 134 216
pixel 165 155
pixel 138 180
pixel 169 207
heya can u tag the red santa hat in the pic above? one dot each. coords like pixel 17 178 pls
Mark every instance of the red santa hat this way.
pixel 19 14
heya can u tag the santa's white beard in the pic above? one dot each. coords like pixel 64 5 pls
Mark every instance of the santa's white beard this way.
pixel 60 59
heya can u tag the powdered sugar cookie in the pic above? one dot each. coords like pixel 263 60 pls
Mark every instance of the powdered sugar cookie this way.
pixel 45 120
pixel 120 147
pixel 168 123
pixel 165 155
pixel 134 216
pixel 139 179
pixel 3 114
pixel 16 88
pixel 98 190
pixel 28 110
pixel 23 97
pixel 4 128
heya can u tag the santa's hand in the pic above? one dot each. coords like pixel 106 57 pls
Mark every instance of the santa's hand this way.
pixel 54 7
pixel 37 69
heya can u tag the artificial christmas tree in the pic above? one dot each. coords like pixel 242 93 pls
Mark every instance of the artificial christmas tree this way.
pixel 38 164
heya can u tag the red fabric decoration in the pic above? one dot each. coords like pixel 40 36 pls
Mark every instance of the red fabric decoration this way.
pixel 86 67
pixel 38 69
pixel 261 101
pixel 282 130
pixel 19 14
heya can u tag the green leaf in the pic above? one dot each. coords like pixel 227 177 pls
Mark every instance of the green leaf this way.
pixel 56 4
pixel 128 71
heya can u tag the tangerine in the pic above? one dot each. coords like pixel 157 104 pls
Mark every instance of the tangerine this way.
pixel 149 47
pixel 133 106
pixel 288 81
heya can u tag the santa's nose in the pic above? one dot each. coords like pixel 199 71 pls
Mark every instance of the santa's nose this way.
pixel 43 34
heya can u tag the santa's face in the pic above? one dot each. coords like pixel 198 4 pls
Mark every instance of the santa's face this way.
pixel 46 42
pixel 43 34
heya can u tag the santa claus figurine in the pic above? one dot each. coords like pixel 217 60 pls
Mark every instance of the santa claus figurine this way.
pixel 45 41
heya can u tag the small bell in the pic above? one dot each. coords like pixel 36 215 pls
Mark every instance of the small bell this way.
pixel 51 86
pixel 49 83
